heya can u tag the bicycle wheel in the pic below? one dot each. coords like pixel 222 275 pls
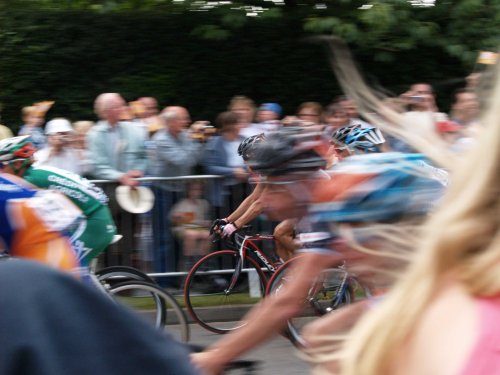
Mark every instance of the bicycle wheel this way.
pixel 144 298
pixel 329 291
pixel 217 296
pixel 120 274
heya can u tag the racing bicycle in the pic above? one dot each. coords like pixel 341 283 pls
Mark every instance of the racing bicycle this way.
pixel 224 284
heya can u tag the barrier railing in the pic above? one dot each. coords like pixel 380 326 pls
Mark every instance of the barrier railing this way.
pixel 151 242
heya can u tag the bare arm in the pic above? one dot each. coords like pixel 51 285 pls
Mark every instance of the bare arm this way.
pixel 267 318
pixel 244 206
pixel 253 211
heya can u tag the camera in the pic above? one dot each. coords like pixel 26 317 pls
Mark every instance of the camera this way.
pixel 416 98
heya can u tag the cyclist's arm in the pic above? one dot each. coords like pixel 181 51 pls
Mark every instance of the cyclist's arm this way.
pixel 267 318
pixel 245 205
pixel 253 211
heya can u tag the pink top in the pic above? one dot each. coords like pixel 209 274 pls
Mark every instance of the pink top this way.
pixel 485 356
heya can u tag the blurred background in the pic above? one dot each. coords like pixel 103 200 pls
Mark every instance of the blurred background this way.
pixel 199 54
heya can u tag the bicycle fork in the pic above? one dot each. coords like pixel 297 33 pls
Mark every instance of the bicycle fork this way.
pixel 237 270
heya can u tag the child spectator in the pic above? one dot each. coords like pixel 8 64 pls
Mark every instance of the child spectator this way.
pixel 33 120
pixel 190 219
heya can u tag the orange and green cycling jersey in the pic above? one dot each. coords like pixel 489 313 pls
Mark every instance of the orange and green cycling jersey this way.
pixel 96 232
pixel 33 223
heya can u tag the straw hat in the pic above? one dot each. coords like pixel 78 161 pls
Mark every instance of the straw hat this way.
pixel 136 200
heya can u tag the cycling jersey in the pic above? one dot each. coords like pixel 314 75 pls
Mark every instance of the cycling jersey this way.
pixel 97 230
pixel 363 189
pixel 87 196
pixel 32 223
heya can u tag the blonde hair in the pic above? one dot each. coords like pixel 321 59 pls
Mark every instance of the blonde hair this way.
pixel 464 235
pixel 82 127
pixel 28 111
pixel 240 100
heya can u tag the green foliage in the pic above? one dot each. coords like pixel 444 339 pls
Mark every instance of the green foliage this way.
pixel 210 32
pixel 199 55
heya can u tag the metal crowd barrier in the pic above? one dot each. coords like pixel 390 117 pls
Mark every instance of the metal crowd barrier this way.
pixel 143 244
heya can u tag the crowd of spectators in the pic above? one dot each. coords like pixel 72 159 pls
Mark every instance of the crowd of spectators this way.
pixel 137 139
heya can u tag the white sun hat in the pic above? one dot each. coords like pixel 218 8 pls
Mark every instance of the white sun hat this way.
pixel 58 125
pixel 137 200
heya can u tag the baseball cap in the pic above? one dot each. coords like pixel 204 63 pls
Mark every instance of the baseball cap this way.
pixel 273 107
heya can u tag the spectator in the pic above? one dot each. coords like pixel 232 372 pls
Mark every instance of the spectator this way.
pixel 351 110
pixel 269 112
pixel 146 113
pixel 60 151
pixel 268 120
pixel 221 158
pixel 175 154
pixel 177 151
pixel 310 113
pixel 335 117
pixel 190 217
pixel 117 152
pixel 116 147
pixel 245 108
pixel 421 117
pixel 420 98
pixel 5 132
pixel 473 80
pixel 74 329
pixel 151 115
pixel 464 107
pixel 33 120
pixel 81 128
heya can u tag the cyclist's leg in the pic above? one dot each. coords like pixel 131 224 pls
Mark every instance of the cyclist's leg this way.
pixel 283 236
pixel 96 234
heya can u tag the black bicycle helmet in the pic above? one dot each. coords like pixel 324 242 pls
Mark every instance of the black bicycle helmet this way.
pixel 247 147
pixel 355 137
pixel 291 150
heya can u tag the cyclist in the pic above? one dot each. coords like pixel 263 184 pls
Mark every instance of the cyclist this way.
pixel 363 190
pixel 32 223
pixel 97 229
pixel 252 206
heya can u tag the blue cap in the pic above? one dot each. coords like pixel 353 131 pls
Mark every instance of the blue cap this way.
pixel 273 107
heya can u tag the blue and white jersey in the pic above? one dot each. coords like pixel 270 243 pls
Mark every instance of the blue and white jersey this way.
pixel 363 189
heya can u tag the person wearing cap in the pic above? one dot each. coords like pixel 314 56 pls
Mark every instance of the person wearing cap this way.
pixel 59 151
pixel 268 120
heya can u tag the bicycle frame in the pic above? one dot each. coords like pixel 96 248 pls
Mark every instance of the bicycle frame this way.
pixel 321 284
pixel 246 245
